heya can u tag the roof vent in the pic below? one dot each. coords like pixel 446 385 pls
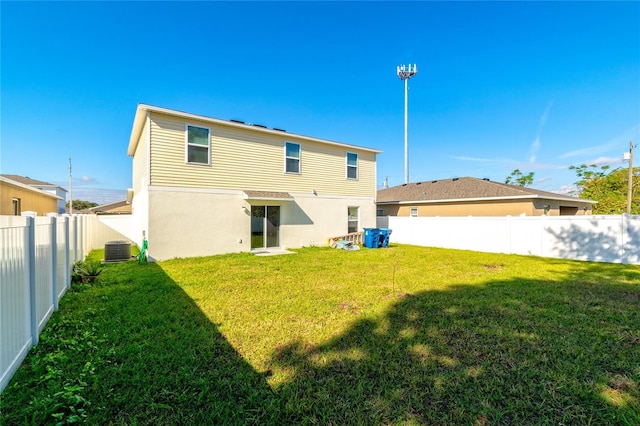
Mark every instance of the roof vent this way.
pixel 455 179
pixel 117 251
pixel 237 121
pixel 487 179
pixel 259 125
pixel 404 184
pixel 279 130
pixel 419 183
pixel 433 181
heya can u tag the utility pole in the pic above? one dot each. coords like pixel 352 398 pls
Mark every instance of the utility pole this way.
pixel 630 186
pixel 405 73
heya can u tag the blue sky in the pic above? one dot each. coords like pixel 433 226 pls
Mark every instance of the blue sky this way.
pixel 537 86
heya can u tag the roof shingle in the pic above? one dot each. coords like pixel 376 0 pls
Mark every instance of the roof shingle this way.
pixel 462 188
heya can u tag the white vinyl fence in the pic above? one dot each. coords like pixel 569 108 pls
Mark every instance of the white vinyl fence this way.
pixel 610 238
pixel 36 256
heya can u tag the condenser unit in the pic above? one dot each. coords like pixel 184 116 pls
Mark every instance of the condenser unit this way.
pixel 117 251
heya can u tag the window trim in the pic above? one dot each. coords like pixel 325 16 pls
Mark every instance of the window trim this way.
pixel 357 220
pixel 187 145
pixel 286 157
pixel 347 165
pixel 16 206
pixel 411 212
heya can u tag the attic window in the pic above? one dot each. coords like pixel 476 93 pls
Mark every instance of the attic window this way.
pixel 198 145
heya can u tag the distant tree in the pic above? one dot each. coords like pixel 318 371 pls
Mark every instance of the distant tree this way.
pixel 517 178
pixel 608 189
pixel 81 205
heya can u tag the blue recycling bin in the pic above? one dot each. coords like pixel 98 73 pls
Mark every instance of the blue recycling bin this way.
pixel 383 239
pixel 371 237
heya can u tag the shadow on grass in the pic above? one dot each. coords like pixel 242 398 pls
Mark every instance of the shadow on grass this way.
pixel 135 350
pixel 507 352
pixel 512 352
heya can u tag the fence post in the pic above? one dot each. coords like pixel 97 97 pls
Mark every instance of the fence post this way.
pixel 31 250
pixel 67 257
pixel 54 260
pixel 624 229
pixel 75 238
pixel 509 235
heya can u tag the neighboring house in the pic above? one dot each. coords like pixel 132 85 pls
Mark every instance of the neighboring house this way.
pixel 118 207
pixel 17 197
pixel 204 186
pixel 44 186
pixel 468 196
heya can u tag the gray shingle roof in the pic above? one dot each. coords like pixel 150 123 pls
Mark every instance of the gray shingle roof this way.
pixel 27 180
pixel 463 188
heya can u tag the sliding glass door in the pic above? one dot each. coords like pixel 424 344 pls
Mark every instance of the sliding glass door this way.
pixel 265 226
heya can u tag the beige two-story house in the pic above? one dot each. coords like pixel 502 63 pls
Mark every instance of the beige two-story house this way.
pixel 204 186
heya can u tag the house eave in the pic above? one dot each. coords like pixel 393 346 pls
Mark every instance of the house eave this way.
pixel 502 198
pixel 29 188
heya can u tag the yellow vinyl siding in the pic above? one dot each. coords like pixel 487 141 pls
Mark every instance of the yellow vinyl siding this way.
pixel 141 162
pixel 248 159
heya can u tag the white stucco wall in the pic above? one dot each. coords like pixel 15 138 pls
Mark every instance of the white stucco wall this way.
pixel 312 220
pixel 188 222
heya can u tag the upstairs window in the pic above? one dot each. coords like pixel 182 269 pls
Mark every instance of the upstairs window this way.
pixel 198 145
pixel 352 165
pixel 291 157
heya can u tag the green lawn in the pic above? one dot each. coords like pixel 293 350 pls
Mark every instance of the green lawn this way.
pixel 404 335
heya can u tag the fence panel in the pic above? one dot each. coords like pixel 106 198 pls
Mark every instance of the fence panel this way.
pixel 15 316
pixel 63 269
pixel 44 266
pixel 611 238
pixel 631 242
pixel 36 256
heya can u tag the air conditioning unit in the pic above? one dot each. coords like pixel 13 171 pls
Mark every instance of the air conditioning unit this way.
pixel 117 251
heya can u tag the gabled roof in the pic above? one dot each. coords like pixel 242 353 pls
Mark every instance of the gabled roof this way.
pixel 142 111
pixel 464 189
pixel 31 182
pixel 7 180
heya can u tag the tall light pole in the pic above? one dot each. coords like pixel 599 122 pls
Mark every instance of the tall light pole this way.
pixel 405 73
